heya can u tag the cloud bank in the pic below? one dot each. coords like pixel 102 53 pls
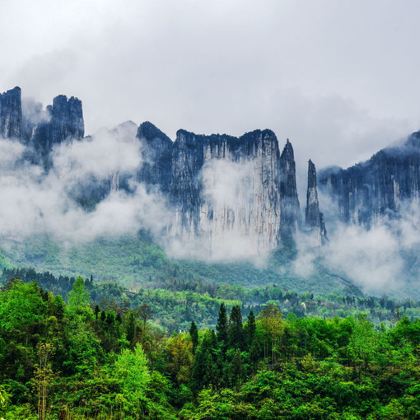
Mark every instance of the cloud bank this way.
pixel 36 203
pixel 382 259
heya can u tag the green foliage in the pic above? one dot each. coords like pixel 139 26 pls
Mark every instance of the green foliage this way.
pixel 21 306
pixel 79 299
pixel 65 360
pixel 132 374
pixel 222 325
pixel 194 336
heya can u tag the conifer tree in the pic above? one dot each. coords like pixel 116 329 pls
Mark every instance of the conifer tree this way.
pixel 222 325
pixel 250 328
pixel 235 328
pixel 194 336
pixel 205 369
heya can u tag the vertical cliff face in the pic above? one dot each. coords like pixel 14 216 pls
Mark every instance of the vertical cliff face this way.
pixel 289 201
pixel 227 185
pixel 11 114
pixel 156 170
pixel 314 219
pixel 312 203
pixel 66 119
pixel 65 122
pixel 378 187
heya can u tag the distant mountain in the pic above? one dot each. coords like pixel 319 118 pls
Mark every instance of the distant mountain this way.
pixel 380 186
pixel 262 201
pixel 215 187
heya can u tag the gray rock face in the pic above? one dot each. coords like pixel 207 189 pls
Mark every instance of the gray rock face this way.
pixel 157 157
pixel 367 191
pixel 289 201
pixel 40 129
pixel 11 114
pixel 312 203
pixel 222 184
pixel 219 183
pixel 65 122
pixel 314 219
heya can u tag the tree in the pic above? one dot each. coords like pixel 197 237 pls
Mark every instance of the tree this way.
pixel 131 328
pixel 145 313
pixel 194 336
pixel 273 328
pixel 250 329
pixel 133 376
pixel 222 325
pixel 236 337
pixel 43 377
pixel 363 343
pixel 79 299
pixel 82 343
pixel 205 371
pixel 97 312
pixel 236 369
pixel 21 306
pixel 180 358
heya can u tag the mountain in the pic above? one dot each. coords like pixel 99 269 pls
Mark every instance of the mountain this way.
pixel 380 186
pixel 190 172
pixel 11 114
pixel 314 218
pixel 231 198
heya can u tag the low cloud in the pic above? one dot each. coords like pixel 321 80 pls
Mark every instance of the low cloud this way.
pixel 35 203
pixel 379 260
pixel 230 228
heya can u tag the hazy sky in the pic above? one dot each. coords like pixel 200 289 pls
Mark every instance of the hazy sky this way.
pixel 339 78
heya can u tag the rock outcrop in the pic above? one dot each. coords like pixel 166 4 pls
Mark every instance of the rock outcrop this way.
pixel 65 122
pixel 314 219
pixel 367 191
pixel 61 121
pixel 156 169
pixel 289 201
pixel 11 114
pixel 221 183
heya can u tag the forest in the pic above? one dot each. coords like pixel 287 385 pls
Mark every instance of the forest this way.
pixel 74 358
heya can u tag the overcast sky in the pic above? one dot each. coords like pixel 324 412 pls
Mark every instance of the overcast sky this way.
pixel 339 78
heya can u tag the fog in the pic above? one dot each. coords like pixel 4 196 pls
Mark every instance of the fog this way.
pixel 379 260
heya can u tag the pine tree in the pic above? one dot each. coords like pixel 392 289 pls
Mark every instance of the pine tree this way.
pixel 222 325
pixel 205 370
pixel 250 329
pixel 131 329
pixel 236 369
pixel 236 336
pixel 97 311
pixel 194 336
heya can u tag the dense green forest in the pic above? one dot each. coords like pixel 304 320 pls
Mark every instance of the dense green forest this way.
pixel 76 358
pixel 176 302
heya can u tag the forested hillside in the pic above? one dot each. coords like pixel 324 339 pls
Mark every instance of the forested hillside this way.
pixel 79 360
pixel 174 302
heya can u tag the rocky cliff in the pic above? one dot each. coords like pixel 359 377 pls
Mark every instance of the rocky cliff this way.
pixel 11 114
pixel 314 219
pixel 289 201
pixel 216 185
pixel 61 121
pixel 65 122
pixel 380 186
pixel 156 151
pixel 222 184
